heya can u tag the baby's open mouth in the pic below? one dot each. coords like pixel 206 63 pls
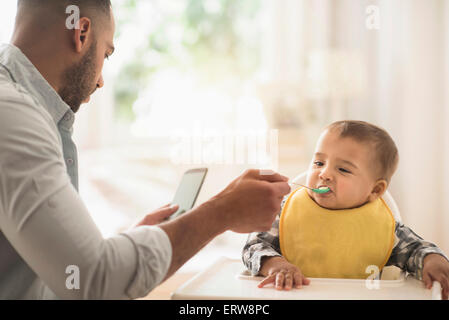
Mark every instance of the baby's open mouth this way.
pixel 324 190
pixel 324 187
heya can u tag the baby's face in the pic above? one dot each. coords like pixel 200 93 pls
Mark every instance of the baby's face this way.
pixel 346 167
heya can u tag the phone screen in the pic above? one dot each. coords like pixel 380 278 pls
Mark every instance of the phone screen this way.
pixel 188 190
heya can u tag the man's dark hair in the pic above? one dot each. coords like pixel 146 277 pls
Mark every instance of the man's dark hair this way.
pixel 85 6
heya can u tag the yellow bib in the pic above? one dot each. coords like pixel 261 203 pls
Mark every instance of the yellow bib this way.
pixel 325 243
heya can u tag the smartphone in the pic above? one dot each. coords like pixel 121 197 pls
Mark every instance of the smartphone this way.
pixel 188 190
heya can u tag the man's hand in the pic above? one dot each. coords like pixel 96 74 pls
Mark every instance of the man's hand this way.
pixel 159 215
pixel 282 273
pixel 436 268
pixel 251 202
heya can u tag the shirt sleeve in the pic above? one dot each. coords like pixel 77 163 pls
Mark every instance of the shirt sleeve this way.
pixel 46 222
pixel 410 251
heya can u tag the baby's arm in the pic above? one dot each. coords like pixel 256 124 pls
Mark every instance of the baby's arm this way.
pixel 421 258
pixel 410 251
pixel 260 245
pixel 262 256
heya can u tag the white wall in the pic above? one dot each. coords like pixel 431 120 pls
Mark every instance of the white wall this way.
pixel 445 117
pixel 7 18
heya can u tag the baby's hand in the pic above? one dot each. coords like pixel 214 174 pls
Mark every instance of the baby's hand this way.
pixel 284 274
pixel 436 268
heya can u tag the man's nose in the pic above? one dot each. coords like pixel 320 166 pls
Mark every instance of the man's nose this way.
pixel 100 82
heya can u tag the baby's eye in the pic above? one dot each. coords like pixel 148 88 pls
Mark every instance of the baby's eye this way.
pixel 344 170
pixel 318 163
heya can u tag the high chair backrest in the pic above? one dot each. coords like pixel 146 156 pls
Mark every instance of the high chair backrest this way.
pixel 387 197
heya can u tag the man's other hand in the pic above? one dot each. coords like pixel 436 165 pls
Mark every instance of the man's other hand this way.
pixel 159 215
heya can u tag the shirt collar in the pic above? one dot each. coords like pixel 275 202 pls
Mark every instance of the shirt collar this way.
pixel 25 74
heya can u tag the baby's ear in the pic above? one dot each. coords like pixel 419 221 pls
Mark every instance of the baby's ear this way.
pixel 379 189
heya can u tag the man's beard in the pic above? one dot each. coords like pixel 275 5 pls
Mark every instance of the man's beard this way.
pixel 78 81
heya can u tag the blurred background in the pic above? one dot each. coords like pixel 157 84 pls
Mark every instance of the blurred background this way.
pixel 199 83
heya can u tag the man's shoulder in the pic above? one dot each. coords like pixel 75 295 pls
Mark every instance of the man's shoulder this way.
pixel 10 91
pixel 15 100
pixel 20 114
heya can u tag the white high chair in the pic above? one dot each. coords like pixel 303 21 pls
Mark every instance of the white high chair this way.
pixel 301 178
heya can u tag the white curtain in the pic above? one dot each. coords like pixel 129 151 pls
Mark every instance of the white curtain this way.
pixel 409 98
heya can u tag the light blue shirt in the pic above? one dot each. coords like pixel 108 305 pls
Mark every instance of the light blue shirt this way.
pixel 44 226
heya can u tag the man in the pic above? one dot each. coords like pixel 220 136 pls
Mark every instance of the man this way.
pixel 46 73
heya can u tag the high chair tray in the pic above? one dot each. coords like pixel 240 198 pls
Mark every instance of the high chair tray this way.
pixel 393 282
pixel 227 280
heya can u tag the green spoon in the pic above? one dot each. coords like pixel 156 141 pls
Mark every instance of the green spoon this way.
pixel 318 190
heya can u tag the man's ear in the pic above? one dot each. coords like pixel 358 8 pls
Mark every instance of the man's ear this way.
pixel 379 189
pixel 82 35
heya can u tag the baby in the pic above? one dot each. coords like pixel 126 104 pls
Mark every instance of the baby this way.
pixel 339 234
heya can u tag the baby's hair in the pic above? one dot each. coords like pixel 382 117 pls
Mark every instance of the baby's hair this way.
pixel 361 131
